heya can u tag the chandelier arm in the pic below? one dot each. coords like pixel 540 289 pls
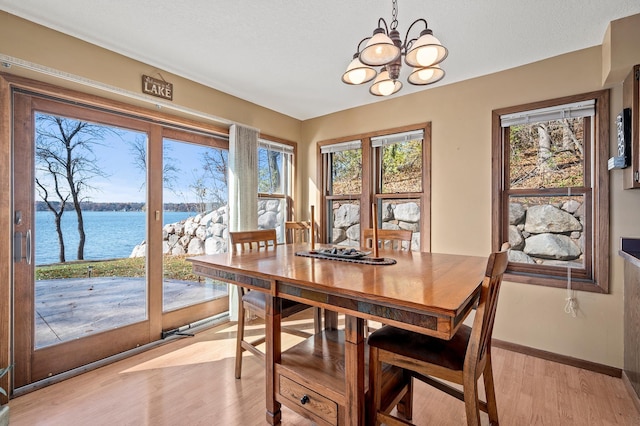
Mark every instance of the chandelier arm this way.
pixel 360 44
pixel 386 27
pixel 407 44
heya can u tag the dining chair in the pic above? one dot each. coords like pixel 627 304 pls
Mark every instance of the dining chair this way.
pixel 388 239
pixel 461 360
pixel 395 239
pixel 297 232
pixel 255 301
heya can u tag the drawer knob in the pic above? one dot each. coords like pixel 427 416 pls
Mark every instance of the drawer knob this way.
pixel 304 399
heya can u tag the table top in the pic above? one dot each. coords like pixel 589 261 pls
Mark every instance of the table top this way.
pixel 440 283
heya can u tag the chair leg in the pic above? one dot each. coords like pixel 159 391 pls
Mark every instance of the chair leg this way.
pixel 471 405
pixel 490 391
pixel 375 387
pixel 240 337
pixel 405 405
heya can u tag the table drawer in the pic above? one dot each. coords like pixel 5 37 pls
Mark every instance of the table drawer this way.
pixel 309 400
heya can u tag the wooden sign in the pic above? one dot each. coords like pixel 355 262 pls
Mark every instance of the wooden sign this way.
pixel 159 88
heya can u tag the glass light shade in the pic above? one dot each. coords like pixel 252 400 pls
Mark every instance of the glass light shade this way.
pixel 379 50
pixel 358 73
pixel 383 85
pixel 426 75
pixel 426 51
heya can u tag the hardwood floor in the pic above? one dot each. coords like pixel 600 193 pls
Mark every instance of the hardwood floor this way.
pixel 191 382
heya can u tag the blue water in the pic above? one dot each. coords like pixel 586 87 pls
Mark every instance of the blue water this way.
pixel 109 235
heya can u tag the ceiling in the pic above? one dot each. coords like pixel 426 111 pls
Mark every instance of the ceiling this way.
pixel 289 55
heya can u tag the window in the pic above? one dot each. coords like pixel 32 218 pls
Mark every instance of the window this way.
pixel 399 173
pixel 550 191
pixel 275 185
pixel 342 168
pixel 389 168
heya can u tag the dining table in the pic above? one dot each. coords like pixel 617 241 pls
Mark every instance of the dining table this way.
pixel 323 378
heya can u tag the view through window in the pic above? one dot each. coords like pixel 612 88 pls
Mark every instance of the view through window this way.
pixel 389 169
pixel 550 197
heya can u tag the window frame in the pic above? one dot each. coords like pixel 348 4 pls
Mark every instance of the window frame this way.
pixel 288 184
pixel 371 192
pixel 596 278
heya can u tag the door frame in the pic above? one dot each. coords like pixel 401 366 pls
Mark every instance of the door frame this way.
pixel 11 352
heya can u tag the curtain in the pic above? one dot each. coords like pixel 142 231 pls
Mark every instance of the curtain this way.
pixel 243 178
pixel 243 189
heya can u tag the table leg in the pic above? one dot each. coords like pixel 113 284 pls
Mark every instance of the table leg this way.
pixel 354 370
pixel 273 356
pixel 330 320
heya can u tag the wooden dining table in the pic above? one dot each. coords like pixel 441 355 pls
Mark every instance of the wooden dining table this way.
pixel 324 377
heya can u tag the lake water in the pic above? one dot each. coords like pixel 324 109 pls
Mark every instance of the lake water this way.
pixel 109 235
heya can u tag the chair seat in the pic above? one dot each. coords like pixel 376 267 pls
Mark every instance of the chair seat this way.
pixel 258 300
pixel 445 353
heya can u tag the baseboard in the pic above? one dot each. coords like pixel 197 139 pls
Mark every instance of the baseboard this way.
pixel 631 390
pixel 562 359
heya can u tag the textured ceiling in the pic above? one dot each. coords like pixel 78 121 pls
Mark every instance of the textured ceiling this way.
pixel 289 56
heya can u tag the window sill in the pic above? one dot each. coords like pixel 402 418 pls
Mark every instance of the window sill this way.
pixel 550 281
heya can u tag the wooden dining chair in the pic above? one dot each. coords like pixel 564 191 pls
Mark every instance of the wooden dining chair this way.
pixel 461 360
pixel 255 301
pixel 394 239
pixel 297 232
pixel 388 239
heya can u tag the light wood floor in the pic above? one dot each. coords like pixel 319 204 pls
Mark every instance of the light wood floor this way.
pixel 191 382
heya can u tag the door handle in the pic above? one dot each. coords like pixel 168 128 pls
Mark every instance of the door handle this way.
pixel 17 247
pixel 28 244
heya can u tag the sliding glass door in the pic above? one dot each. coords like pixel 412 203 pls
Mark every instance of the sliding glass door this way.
pixel 99 199
pixel 194 200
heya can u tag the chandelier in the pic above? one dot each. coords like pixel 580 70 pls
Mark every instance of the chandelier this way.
pixel 384 49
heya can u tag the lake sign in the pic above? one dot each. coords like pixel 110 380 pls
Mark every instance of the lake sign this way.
pixel 159 88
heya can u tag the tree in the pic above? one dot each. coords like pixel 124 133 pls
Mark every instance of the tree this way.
pixel 57 208
pixel 170 170
pixel 215 166
pixel 346 171
pixel 65 163
pixel 547 154
pixel 269 179
pixel 199 188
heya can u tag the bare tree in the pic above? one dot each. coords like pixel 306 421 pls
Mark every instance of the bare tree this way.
pixel 215 165
pixel 274 172
pixel 170 170
pixel 66 162
pixel 57 208
pixel 199 188
pixel 544 149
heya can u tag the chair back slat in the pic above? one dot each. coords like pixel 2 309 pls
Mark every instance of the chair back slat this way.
pixel 394 239
pixel 243 241
pixel 297 232
pixel 487 305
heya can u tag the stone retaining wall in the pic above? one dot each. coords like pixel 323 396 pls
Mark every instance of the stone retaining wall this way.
pixel 208 233
pixel 346 222
pixel 549 234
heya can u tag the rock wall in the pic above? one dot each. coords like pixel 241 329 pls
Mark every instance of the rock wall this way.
pixel 208 233
pixel 550 234
pixel 346 222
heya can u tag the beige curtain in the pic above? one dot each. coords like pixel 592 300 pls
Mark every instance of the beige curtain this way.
pixel 243 189
pixel 243 178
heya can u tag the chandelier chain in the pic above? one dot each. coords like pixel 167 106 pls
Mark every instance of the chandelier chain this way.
pixel 394 14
